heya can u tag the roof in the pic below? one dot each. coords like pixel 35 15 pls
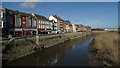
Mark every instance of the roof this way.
pixel 41 17
pixel 81 25
pixel 68 23
pixel 76 25
pixel 17 12
pixel 57 17
pixel 87 27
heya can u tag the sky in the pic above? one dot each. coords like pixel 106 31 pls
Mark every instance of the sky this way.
pixel 59 0
pixel 94 14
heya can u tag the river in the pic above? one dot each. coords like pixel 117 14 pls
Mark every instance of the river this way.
pixel 70 53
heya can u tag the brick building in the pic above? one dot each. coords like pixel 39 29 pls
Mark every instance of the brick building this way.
pixel 80 28
pixel 88 28
pixel 19 23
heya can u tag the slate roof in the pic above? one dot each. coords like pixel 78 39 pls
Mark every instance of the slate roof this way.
pixel 26 14
pixel 18 12
pixel 41 17
pixel 57 17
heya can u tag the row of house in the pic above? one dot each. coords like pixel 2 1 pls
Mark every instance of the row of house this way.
pixel 18 23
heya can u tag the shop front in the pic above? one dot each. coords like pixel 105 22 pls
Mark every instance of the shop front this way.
pixel 42 31
pixel 27 32
pixel 18 32
pixel 49 31
pixel 15 32
pixel 30 32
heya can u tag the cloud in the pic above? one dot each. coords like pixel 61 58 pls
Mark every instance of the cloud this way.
pixel 29 4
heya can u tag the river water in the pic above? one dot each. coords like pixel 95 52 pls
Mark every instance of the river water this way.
pixel 70 53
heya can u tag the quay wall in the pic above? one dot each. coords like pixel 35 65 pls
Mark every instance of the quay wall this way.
pixel 15 48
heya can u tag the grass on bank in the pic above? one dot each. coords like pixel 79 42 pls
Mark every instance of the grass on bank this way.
pixel 105 47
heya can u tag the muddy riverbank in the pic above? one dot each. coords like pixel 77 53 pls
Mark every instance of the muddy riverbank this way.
pixel 104 49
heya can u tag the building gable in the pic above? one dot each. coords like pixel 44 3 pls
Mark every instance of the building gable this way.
pixel 52 18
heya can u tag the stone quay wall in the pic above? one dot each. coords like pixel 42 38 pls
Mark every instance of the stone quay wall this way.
pixel 15 48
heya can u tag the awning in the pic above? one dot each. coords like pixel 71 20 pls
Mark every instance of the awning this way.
pixel 42 30
pixel 49 30
pixel 15 29
pixel 18 29
pixel 30 29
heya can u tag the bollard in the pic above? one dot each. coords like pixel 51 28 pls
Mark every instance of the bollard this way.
pixel 37 39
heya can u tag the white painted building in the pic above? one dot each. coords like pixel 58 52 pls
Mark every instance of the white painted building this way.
pixel 53 18
pixel 74 28
pixel 54 24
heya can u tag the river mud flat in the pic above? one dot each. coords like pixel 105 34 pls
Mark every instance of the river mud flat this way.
pixel 104 49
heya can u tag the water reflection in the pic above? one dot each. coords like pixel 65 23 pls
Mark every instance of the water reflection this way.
pixel 69 53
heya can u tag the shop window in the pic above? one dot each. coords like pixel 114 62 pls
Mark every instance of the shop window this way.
pixel 18 33
pixel 28 33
